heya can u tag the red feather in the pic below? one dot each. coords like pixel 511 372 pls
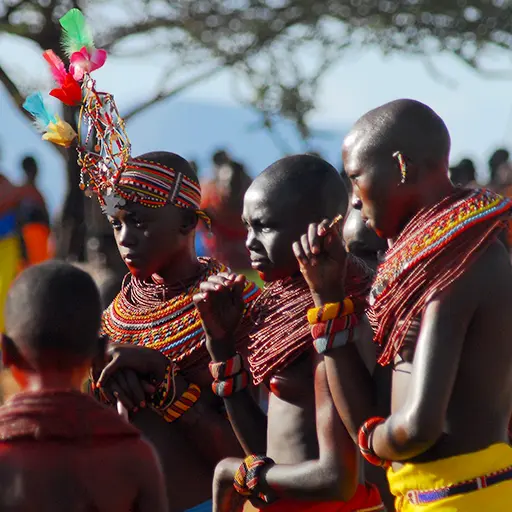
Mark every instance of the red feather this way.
pixel 57 67
pixel 70 93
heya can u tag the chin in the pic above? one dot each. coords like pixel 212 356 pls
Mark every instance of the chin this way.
pixel 140 274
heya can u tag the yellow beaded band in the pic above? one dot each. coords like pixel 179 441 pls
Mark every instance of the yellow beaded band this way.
pixel 183 404
pixel 330 311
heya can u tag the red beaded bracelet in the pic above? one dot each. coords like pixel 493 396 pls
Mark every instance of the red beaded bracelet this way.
pixel 363 439
pixel 230 385
pixel 334 326
pixel 227 368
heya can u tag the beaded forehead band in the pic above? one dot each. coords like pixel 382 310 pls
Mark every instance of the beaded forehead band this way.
pixel 104 151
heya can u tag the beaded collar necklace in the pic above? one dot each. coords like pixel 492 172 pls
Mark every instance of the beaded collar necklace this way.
pixel 433 250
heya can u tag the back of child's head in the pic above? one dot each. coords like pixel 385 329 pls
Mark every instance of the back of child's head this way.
pixel 53 314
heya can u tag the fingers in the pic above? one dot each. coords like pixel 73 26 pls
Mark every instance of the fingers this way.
pixel 114 392
pixel 123 391
pixel 314 238
pixel 112 367
pixel 149 389
pixel 135 387
pixel 299 254
pixel 323 227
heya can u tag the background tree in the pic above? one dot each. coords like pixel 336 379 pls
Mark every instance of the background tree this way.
pixel 278 49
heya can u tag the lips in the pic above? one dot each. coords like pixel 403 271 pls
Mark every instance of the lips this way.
pixel 257 262
pixel 131 259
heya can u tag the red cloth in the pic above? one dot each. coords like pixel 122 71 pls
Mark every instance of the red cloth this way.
pixel 59 415
pixel 366 499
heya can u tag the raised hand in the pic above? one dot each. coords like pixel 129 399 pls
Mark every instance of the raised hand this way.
pixel 221 306
pixel 322 259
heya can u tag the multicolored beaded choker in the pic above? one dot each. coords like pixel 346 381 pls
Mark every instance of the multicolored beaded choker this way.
pixel 432 251
pixel 140 315
pixel 282 332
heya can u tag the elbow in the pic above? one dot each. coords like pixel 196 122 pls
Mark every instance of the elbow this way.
pixel 340 484
pixel 418 433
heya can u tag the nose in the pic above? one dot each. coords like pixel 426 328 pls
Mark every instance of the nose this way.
pixel 126 237
pixel 251 242
pixel 356 203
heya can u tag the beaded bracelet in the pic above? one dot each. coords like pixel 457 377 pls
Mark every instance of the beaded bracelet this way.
pixel 178 408
pixel 234 384
pixel 247 477
pixel 330 327
pixel 330 311
pixel 165 394
pixel 324 344
pixel 363 440
pixel 224 369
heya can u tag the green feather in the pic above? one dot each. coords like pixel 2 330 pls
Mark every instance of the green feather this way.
pixel 77 33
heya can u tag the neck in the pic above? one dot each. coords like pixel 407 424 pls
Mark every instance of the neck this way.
pixel 182 269
pixel 430 192
pixel 54 380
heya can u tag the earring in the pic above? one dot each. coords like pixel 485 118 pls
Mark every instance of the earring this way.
pixel 403 166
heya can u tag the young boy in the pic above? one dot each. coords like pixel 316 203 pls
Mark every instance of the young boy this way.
pixel 58 447
pixel 314 464
pixel 440 309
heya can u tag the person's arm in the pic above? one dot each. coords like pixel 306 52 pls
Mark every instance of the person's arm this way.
pixel 221 307
pixel 419 423
pixel 322 259
pixel 152 496
pixel 351 384
pixel 333 476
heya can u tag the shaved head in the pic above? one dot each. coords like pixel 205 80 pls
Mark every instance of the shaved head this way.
pixel 281 203
pixel 53 312
pixel 403 125
pixel 305 182
pixel 396 157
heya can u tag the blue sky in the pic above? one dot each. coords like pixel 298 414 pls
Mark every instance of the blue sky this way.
pixel 478 111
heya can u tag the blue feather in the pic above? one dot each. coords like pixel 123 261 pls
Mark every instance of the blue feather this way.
pixel 34 104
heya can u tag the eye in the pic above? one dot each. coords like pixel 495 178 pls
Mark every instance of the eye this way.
pixel 265 229
pixel 116 225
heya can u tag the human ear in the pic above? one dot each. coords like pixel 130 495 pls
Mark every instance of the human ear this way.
pixel 188 222
pixel 8 351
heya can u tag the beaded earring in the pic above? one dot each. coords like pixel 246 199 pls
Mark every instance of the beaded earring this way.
pixel 403 166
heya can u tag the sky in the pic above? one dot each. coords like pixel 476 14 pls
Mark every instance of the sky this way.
pixel 477 110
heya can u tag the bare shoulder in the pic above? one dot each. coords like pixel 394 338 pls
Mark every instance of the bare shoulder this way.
pixel 490 277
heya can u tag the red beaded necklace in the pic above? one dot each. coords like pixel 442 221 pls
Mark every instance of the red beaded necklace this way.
pixel 282 332
pixel 432 251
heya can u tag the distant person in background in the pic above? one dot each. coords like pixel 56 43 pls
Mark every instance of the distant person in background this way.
pixel 10 246
pixel 33 218
pixel 223 201
pixel 464 174
pixel 498 160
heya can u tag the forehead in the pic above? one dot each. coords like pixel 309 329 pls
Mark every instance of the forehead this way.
pixel 264 201
pixel 356 151
pixel 132 209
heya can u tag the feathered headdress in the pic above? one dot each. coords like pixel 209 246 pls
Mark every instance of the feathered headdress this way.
pixel 107 169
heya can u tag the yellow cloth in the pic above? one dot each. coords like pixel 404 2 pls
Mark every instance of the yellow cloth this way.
pixel 453 470
pixel 9 264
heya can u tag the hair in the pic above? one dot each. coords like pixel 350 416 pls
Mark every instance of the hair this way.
pixel 53 313
pixel 29 164
pixel 408 126
pixel 306 180
pixel 220 157
pixel 499 157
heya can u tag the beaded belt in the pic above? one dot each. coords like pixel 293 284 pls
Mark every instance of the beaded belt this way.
pixel 424 497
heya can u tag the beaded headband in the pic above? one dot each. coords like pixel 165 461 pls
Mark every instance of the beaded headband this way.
pixel 104 150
